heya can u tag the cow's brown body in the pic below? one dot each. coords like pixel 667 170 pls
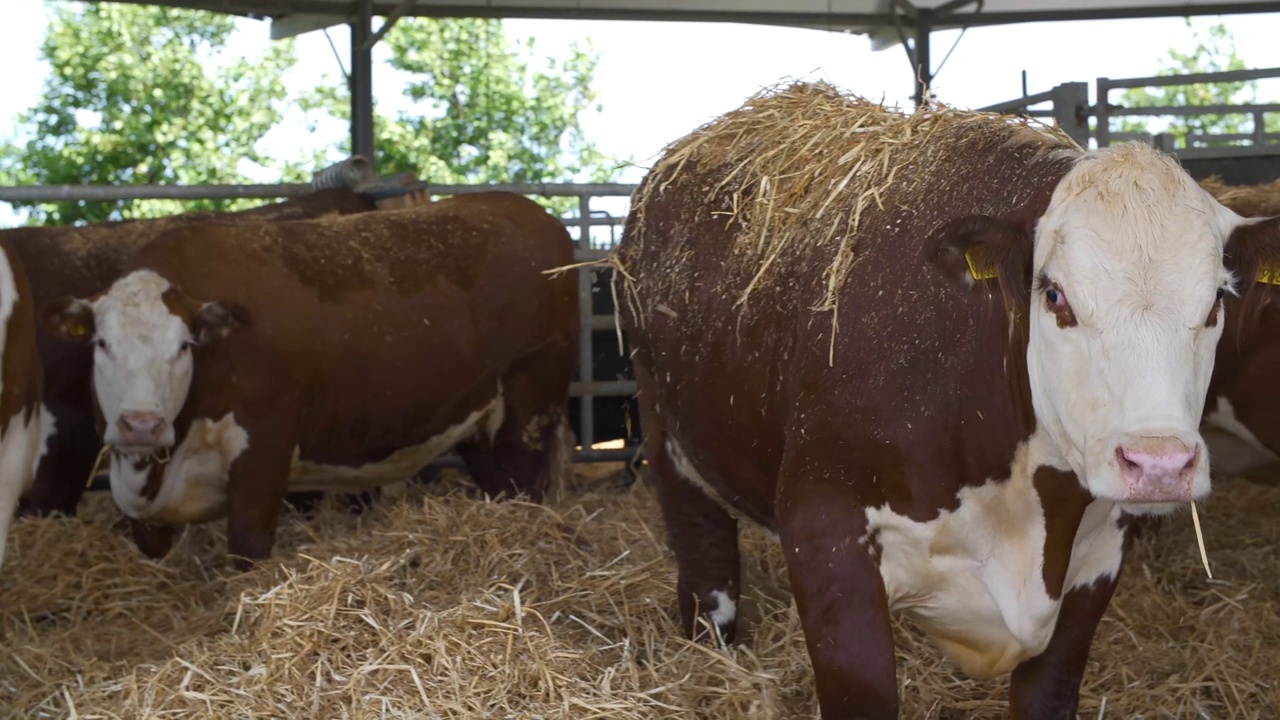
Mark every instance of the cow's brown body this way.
pixel 23 422
pixel 1243 408
pixel 365 336
pixel 79 261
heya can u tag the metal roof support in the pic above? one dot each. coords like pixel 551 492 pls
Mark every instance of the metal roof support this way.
pixel 921 64
pixel 361 84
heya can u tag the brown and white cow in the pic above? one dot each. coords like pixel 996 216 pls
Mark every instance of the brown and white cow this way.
pixel 336 353
pixel 24 422
pixel 78 261
pixel 969 450
pixel 1242 413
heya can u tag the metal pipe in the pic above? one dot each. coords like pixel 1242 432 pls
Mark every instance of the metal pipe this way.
pixel 349 173
pixel 60 193
pixel 923 63
pixel 586 369
pixel 610 388
pixel 361 87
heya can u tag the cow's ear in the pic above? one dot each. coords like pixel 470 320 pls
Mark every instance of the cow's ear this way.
pixel 68 318
pixel 1252 254
pixel 981 251
pixel 215 320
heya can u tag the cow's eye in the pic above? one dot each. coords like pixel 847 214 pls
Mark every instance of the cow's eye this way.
pixel 1222 292
pixel 186 346
pixel 100 344
pixel 1055 298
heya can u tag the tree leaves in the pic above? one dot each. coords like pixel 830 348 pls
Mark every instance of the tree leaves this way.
pixel 483 110
pixel 1214 51
pixel 140 94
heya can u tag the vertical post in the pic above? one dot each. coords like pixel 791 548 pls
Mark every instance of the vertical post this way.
pixel 1103 114
pixel 920 54
pixel 1071 110
pixel 362 83
pixel 586 366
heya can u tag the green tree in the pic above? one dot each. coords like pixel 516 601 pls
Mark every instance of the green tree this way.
pixel 140 94
pixel 483 110
pixel 1214 51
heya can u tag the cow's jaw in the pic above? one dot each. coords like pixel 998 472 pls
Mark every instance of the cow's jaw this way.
pixel 142 363
pixel 1119 380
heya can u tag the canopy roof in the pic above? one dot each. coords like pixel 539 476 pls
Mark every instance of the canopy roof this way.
pixel 852 15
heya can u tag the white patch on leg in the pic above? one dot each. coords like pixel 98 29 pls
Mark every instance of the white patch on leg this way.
pixel 19 446
pixel 401 464
pixel 48 427
pixel 726 609
pixel 194 488
pixel 1233 448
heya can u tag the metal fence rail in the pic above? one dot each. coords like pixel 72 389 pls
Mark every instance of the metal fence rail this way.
pixel 590 246
pixel 1070 108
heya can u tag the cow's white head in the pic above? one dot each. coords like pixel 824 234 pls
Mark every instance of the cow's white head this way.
pixel 144 332
pixel 1118 287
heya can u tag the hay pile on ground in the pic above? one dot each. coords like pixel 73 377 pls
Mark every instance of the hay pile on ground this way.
pixel 437 605
pixel 801 165
pixel 1262 200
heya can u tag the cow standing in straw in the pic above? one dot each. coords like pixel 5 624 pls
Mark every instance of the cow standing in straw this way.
pixel 234 362
pixel 82 260
pixel 947 357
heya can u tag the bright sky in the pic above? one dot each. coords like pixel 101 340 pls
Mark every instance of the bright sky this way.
pixel 658 81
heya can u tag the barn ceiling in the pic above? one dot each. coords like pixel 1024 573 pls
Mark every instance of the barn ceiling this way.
pixel 862 16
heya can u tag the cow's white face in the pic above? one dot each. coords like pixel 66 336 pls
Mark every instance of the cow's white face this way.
pixel 141 362
pixel 143 331
pixel 1124 320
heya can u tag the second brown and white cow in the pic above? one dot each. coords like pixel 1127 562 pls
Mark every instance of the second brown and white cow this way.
pixel 1012 367
pixel 1242 413
pixel 77 261
pixel 339 353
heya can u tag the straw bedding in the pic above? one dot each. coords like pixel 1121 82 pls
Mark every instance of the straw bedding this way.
pixel 801 167
pixel 436 604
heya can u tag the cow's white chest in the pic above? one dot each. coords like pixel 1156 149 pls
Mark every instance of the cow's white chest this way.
pixel 21 445
pixel 400 465
pixel 1233 449
pixel 973 578
pixel 194 488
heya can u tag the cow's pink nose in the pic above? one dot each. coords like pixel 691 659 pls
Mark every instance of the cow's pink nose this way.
pixel 141 428
pixel 1159 471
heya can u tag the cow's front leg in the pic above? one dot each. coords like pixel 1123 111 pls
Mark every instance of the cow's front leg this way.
pixel 1047 687
pixel 839 594
pixel 258 481
pixel 154 541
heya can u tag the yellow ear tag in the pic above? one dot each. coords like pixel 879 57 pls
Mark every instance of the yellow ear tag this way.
pixel 1269 275
pixel 75 327
pixel 979 274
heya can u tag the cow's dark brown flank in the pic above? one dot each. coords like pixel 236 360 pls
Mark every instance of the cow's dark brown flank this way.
pixel 22 373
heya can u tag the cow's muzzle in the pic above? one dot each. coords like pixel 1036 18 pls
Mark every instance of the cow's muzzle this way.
pixel 1158 469
pixel 141 431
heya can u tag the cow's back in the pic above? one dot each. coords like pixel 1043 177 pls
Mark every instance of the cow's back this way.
pixel 735 334
pixel 383 322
